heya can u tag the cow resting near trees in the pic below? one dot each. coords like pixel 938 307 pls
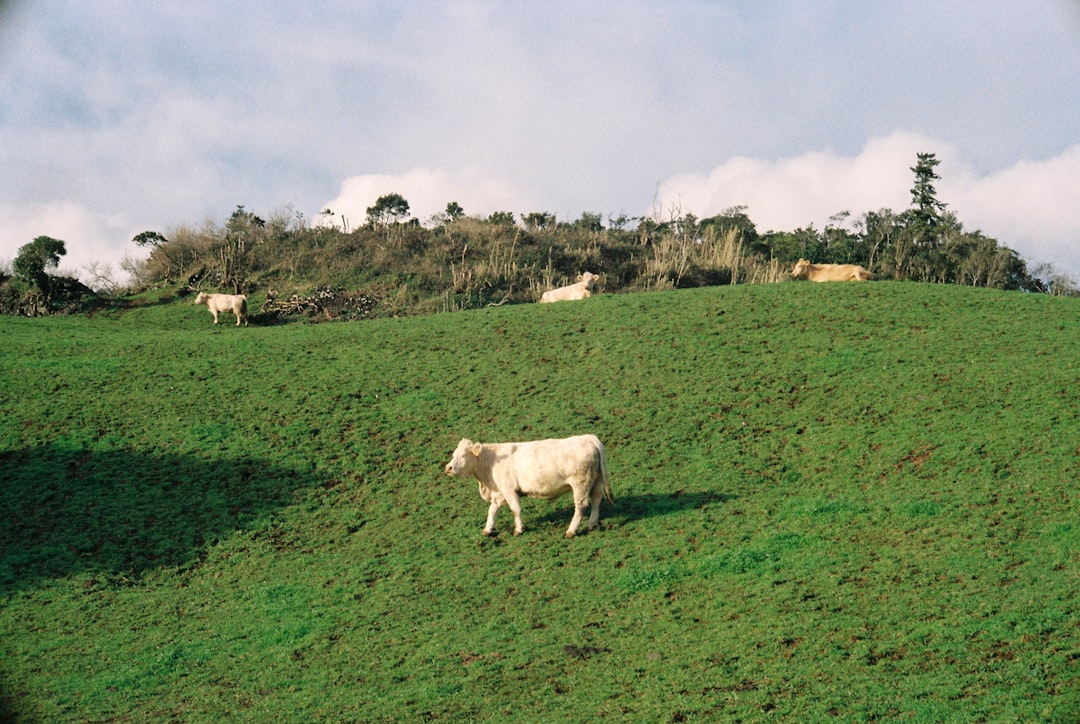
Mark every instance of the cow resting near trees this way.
pixel 830 272
pixel 235 303
pixel 584 287
pixel 539 469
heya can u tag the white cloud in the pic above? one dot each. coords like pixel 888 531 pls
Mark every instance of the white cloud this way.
pixel 88 237
pixel 795 192
pixel 428 191
pixel 1029 207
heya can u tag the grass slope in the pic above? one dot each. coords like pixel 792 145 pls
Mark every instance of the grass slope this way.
pixel 852 501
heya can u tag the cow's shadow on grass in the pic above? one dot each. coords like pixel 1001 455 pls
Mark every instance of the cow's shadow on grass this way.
pixel 630 508
pixel 118 514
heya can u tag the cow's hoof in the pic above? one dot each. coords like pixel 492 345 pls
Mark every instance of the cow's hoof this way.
pixel 517 532
pixel 489 533
pixel 569 534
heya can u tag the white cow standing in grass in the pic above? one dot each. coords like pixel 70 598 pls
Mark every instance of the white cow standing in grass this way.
pixel 583 287
pixel 539 469
pixel 235 303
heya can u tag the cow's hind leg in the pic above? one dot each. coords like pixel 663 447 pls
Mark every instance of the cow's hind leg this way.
pixel 595 497
pixel 581 501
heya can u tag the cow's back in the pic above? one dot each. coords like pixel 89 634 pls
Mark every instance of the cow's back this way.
pixel 562 294
pixel 836 273
pixel 544 468
pixel 571 292
pixel 850 273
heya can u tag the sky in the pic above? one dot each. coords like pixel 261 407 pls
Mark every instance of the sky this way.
pixel 119 117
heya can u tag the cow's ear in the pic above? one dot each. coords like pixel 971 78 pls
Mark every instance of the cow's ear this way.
pixel 475 449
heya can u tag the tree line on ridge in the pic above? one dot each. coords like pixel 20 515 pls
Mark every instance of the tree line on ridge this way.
pixel 457 261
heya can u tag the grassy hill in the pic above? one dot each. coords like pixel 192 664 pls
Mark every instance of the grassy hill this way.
pixel 854 501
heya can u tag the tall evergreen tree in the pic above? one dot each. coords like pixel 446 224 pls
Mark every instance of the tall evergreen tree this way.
pixel 926 206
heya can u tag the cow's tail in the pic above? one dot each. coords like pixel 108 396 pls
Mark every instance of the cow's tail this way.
pixel 603 474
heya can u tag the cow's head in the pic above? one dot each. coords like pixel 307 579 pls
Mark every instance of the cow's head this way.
pixel 201 299
pixel 464 455
pixel 800 268
pixel 589 279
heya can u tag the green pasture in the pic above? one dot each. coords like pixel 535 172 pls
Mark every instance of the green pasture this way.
pixel 849 501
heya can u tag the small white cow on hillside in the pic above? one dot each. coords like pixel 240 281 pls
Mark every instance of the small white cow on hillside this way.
pixel 539 469
pixel 235 303
pixel 830 272
pixel 584 287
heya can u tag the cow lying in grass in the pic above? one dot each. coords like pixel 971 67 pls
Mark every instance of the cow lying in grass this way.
pixel 235 303
pixel 584 287
pixel 830 272
pixel 539 469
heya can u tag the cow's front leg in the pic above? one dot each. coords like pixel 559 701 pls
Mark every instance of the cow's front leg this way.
pixel 514 502
pixel 215 317
pixel 493 509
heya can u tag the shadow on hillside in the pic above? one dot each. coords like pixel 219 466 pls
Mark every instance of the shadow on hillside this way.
pixel 119 514
pixel 630 508
pixel 126 304
pixel 7 704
